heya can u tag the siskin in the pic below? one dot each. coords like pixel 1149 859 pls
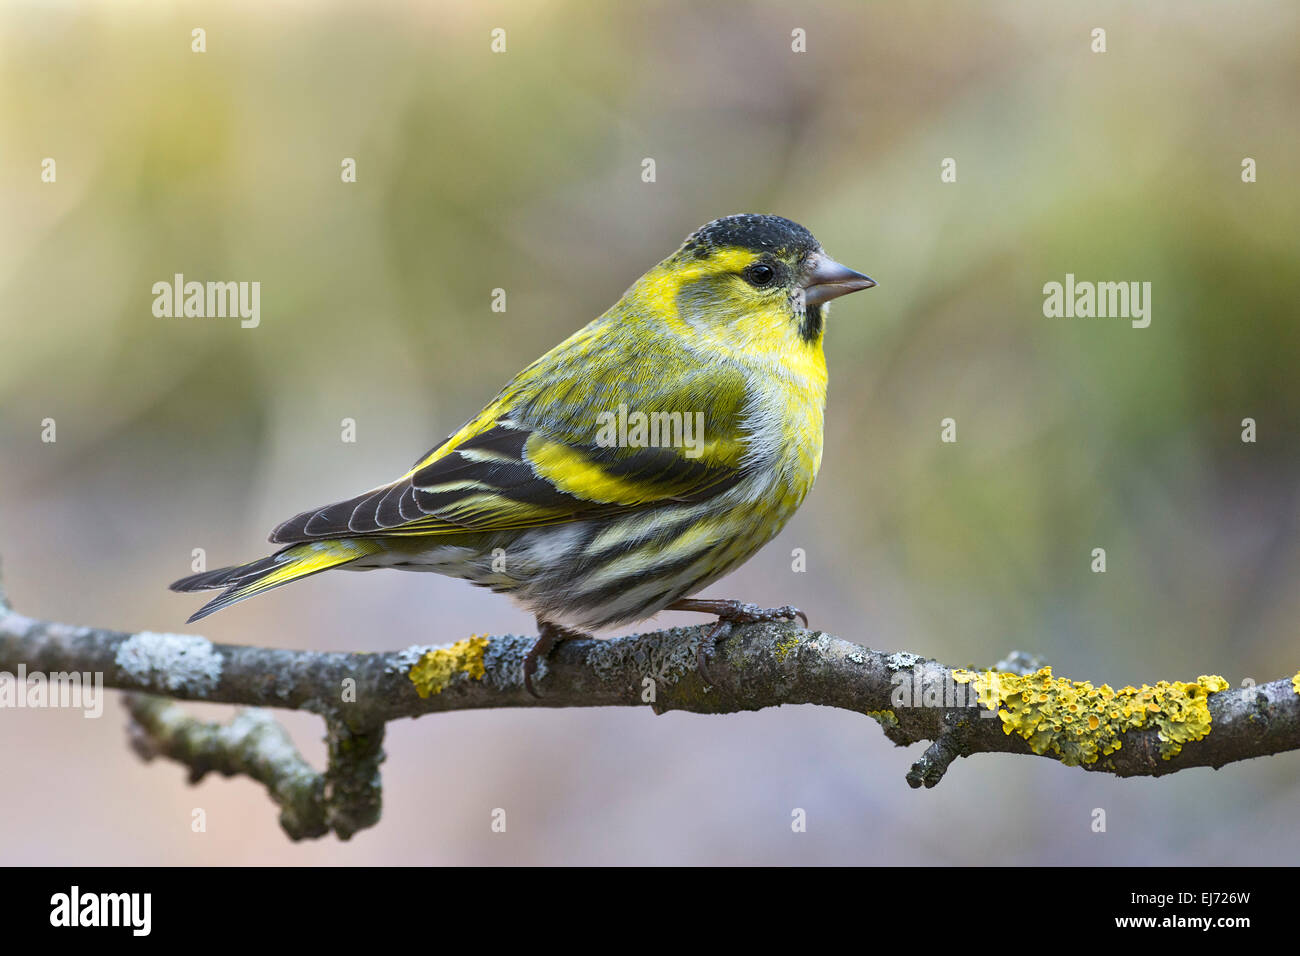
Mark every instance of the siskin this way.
pixel 639 460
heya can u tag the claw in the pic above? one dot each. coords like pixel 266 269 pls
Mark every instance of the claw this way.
pixel 731 612
pixel 548 635
pixel 530 664
pixel 709 640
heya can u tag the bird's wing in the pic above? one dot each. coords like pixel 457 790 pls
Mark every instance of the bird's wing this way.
pixel 535 457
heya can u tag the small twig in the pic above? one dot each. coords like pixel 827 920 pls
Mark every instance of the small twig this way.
pixel 253 744
pixel 353 792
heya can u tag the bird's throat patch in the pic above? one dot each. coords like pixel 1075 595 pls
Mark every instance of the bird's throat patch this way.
pixel 812 324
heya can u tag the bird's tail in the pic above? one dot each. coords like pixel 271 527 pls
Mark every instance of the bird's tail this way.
pixel 289 564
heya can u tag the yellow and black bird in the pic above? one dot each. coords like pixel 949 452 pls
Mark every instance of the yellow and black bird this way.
pixel 588 525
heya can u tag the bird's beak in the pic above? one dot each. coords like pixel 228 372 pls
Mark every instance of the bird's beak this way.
pixel 825 279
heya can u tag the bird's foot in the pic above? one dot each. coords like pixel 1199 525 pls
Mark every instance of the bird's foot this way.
pixel 731 612
pixel 548 635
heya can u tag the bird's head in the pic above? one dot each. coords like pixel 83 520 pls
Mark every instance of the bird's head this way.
pixel 749 283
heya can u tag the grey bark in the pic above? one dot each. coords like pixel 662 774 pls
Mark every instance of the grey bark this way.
pixel 751 667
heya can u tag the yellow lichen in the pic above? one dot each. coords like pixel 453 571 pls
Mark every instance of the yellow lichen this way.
pixel 1295 683
pixel 437 667
pixel 1043 710
pixel 785 647
pixel 886 718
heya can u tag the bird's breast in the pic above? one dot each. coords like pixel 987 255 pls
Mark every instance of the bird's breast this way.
pixel 784 425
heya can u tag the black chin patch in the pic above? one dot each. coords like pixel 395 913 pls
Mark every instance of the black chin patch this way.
pixel 810 327
pixel 756 233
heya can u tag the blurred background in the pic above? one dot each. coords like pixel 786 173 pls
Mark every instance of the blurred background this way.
pixel 522 170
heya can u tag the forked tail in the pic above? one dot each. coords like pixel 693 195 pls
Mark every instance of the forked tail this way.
pixel 290 564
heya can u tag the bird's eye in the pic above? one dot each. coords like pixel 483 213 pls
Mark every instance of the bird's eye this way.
pixel 760 274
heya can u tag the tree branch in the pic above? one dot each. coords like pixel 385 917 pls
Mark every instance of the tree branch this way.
pixel 1147 731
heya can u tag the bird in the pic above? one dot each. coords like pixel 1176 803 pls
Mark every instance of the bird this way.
pixel 643 458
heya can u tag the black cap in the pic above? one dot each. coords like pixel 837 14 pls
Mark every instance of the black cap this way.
pixel 758 233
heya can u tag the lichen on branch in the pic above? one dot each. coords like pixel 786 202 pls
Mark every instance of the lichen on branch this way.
pixel 1019 707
